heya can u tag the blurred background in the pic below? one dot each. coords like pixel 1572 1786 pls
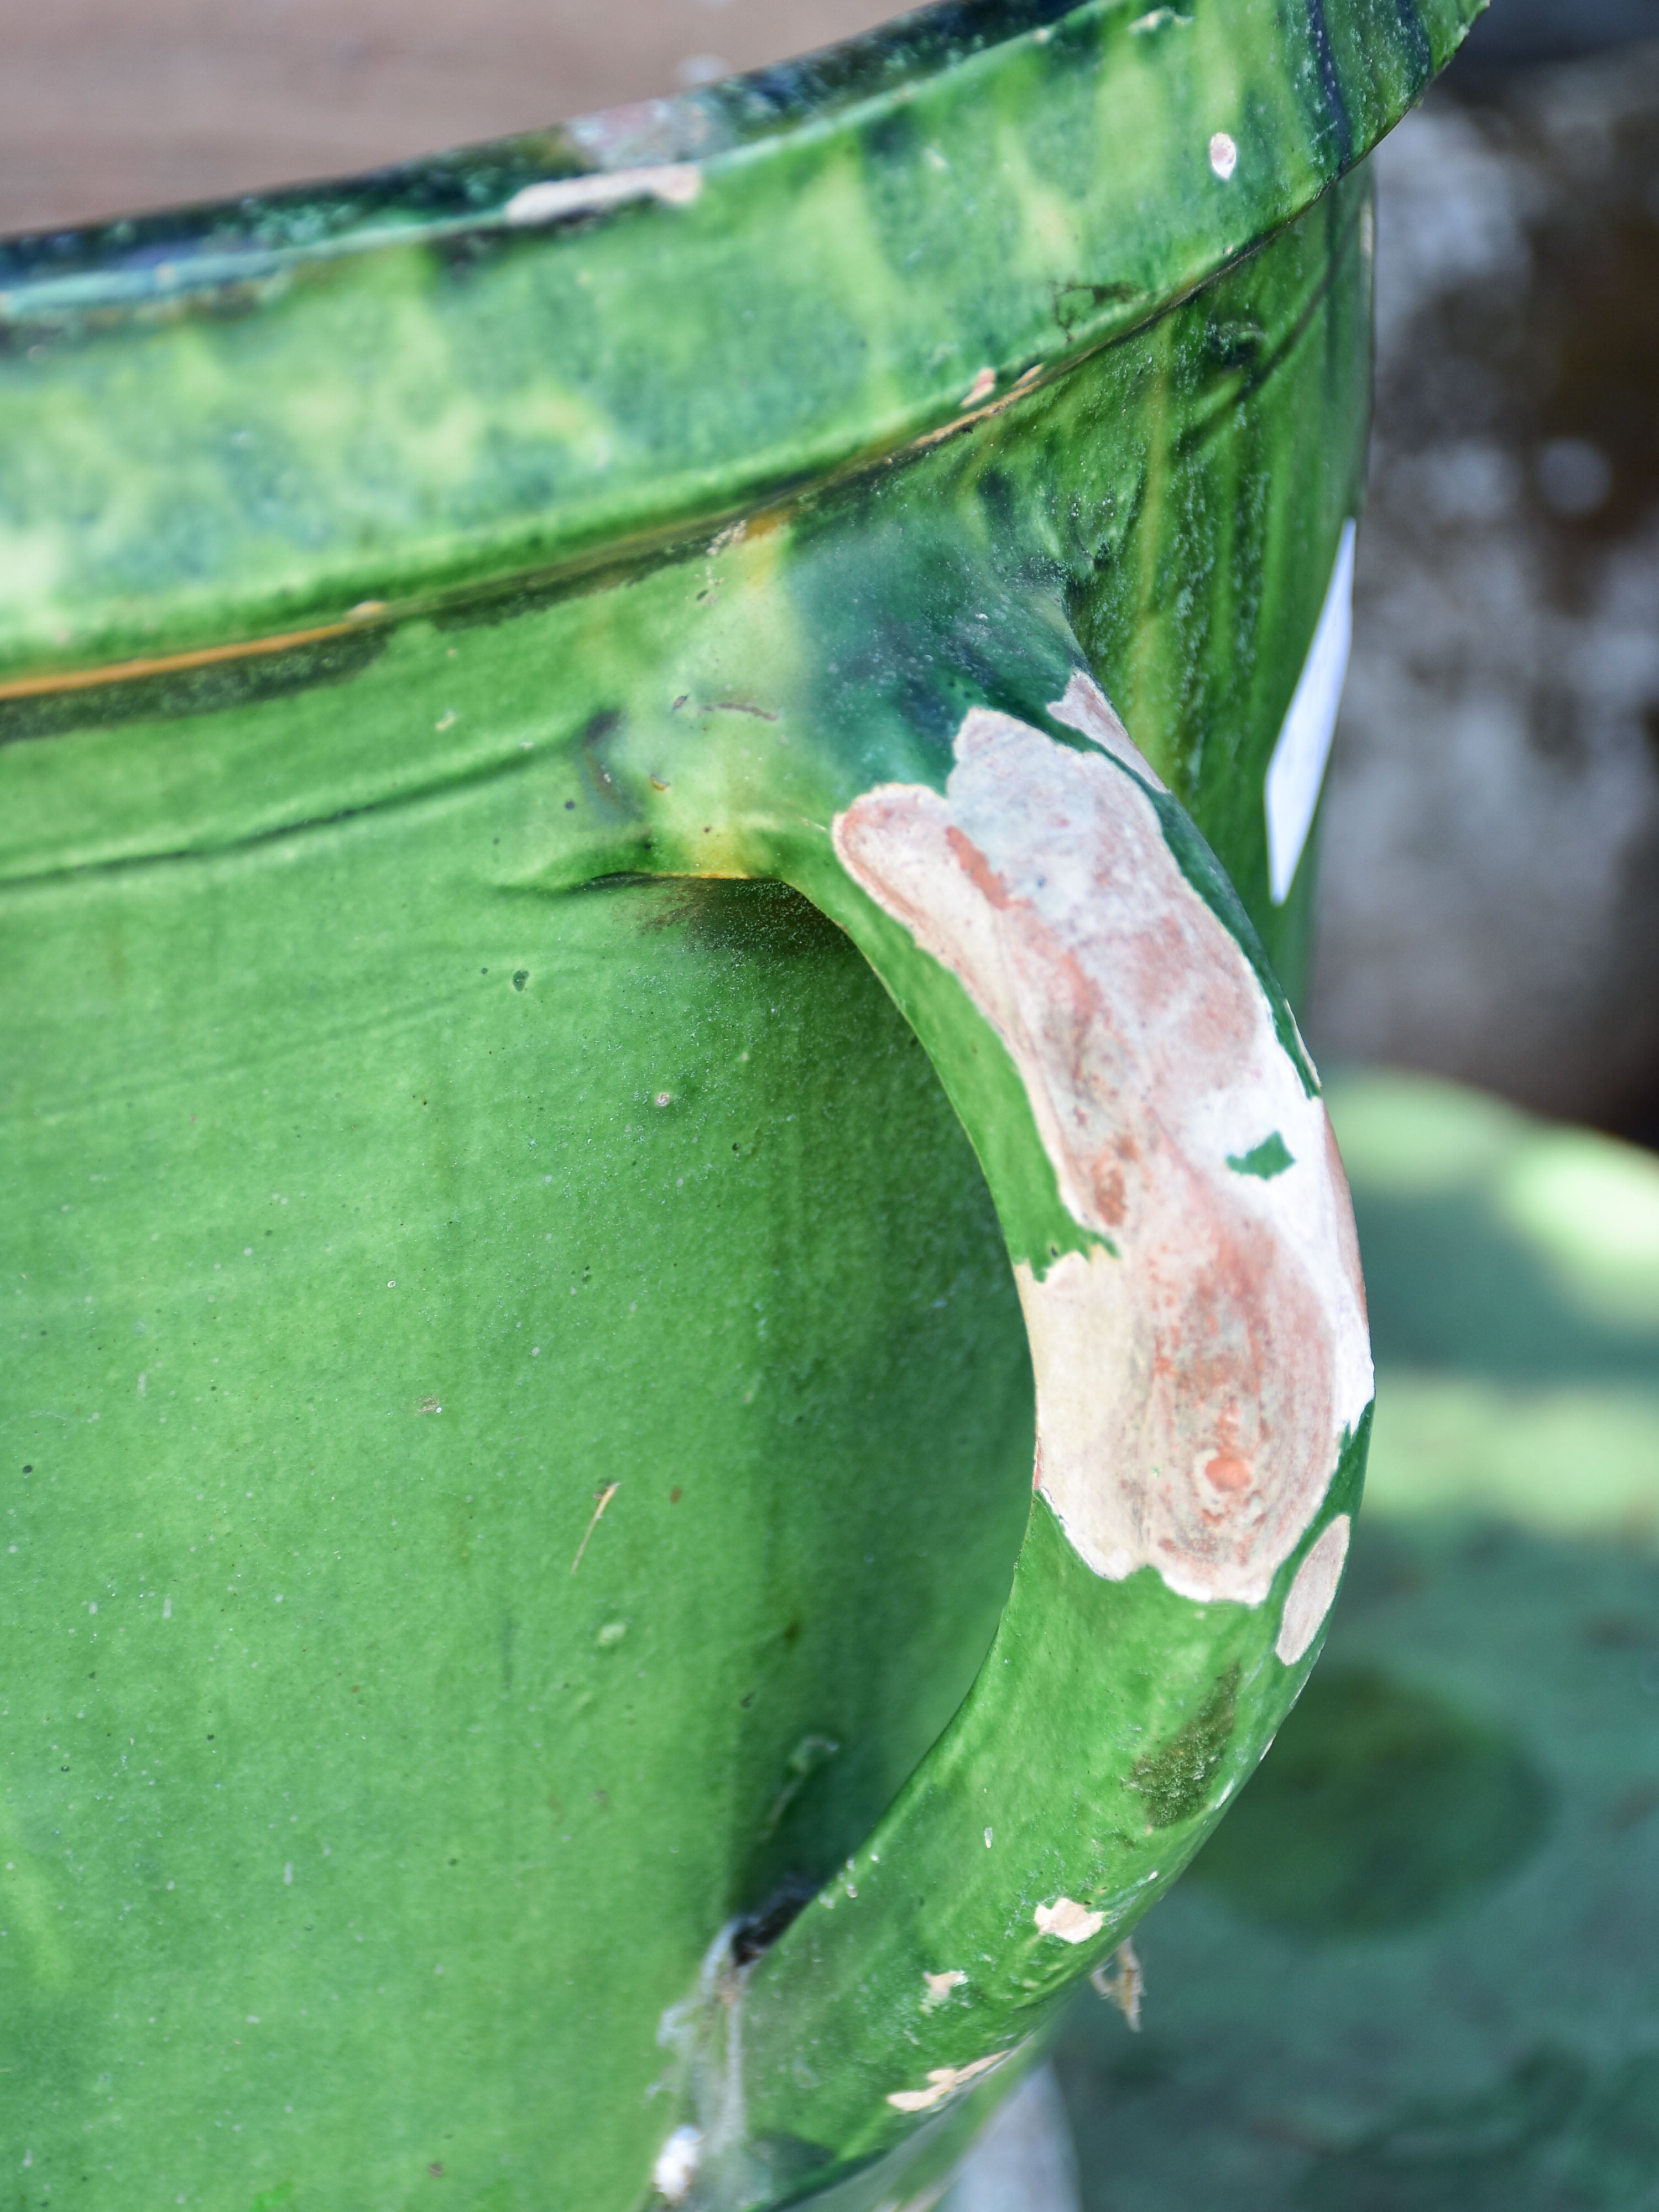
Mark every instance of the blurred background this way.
pixel 1418 1971
pixel 1491 900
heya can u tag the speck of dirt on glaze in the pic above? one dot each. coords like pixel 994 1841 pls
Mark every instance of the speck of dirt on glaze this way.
pixel 602 1499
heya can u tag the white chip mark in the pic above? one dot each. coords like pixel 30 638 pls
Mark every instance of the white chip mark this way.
pixel 167 1608
pixel 988 1840
pixel 942 2082
pixel 1224 155
pixel 677 2165
pixel 1312 1591
pixel 1072 1922
pixel 939 1986
pixel 981 388
pixel 676 184
pixel 288 1875
pixel 1156 21
pixel 1197 1379
pixel 1298 767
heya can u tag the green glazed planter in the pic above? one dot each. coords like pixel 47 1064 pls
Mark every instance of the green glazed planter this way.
pixel 629 763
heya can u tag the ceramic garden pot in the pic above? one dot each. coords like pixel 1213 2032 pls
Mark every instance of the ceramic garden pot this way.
pixel 653 788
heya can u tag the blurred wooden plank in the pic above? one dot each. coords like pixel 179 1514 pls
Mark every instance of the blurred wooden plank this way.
pixel 107 106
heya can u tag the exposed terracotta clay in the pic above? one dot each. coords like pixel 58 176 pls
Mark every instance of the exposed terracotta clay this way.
pixel 1086 707
pixel 1312 1591
pixel 1197 1370
pixel 942 2082
pixel 1072 1922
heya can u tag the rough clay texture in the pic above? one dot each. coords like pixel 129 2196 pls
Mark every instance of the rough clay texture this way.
pixel 1196 1380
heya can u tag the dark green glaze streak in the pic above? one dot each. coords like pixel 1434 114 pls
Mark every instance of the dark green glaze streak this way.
pixel 427 1106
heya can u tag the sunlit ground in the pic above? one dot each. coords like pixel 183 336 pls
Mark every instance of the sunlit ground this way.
pixel 1417 1969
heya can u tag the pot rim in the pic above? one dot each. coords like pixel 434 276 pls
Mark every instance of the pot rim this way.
pixel 218 423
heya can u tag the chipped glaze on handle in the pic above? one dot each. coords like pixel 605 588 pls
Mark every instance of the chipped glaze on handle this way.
pixel 1184 1247
pixel 1199 1364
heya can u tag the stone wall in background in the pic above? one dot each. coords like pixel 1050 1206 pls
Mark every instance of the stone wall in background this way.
pixel 1491 834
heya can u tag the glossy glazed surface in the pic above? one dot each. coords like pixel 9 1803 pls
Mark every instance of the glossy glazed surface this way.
pixel 367 889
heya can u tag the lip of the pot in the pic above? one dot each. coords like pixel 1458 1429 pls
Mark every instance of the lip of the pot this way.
pixel 650 318
pixel 470 188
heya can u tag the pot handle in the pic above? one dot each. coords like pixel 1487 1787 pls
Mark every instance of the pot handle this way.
pixel 1094 998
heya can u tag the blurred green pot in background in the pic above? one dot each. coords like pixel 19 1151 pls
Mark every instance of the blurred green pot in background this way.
pixel 630 761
